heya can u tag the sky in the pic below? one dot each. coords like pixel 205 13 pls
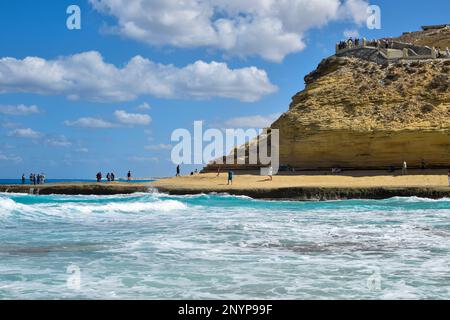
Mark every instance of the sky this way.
pixel 108 96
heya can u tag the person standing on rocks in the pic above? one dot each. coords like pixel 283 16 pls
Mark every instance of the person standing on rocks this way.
pixel 178 171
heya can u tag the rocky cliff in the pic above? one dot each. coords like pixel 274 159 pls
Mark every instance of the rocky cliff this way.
pixel 355 113
pixel 359 114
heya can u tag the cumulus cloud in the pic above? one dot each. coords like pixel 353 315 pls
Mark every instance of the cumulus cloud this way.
pixel 88 76
pixel 257 121
pixel 88 122
pixel 271 29
pixel 132 118
pixel 25 133
pixel 18 110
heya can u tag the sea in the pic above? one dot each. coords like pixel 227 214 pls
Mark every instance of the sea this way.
pixel 217 246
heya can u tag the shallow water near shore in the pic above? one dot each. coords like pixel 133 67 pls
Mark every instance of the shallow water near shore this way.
pixel 155 246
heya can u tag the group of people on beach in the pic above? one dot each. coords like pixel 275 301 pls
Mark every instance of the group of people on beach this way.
pixel 34 178
pixel 110 176
pixel 178 174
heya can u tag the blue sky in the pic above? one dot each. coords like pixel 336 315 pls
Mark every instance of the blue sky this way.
pixel 46 104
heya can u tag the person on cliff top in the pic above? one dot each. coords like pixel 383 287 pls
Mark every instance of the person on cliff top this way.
pixel 230 177
pixel 178 171
pixel 129 175
pixel 405 168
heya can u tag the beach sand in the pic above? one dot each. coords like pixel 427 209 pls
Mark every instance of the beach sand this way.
pixel 315 185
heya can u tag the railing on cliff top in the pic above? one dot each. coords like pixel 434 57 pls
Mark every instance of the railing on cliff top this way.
pixel 392 50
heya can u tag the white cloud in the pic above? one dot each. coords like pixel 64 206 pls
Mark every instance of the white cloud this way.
pixel 18 110
pixel 143 106
pixel 271 29
pixel 25 133
pixel 132 118
pixel 88 122
pixel 82 150
pixel 12 158
pixel 60 141
pixel 159 147
pixel 257 121
pixel 88 76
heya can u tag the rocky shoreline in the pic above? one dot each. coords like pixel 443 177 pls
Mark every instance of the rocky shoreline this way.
pixel 77 189
pixel 322 194
pixel 284 193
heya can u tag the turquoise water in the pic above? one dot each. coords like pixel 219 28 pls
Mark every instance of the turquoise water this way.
pixel 154 246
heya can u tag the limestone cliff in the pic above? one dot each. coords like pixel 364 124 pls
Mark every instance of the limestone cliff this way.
pixel 359 113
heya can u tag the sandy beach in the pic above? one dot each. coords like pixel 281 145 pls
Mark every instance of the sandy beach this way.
pixel 315 185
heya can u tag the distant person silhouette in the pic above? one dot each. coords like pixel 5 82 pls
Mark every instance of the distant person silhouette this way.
pixel 230 177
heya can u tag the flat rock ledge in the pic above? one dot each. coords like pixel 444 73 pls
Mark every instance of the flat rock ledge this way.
pixel 77 189
pixel 282 193
pixel 321 194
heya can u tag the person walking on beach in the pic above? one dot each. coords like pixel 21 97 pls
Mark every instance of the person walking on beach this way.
pixel 405 168
pixel 178 171
pixel 270 173
pixel 129 175
pixel 230 177
pixel 23 178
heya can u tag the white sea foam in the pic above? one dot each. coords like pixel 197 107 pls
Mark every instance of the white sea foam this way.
pixel 175 247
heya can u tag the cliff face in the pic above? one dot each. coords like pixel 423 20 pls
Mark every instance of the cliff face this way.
pixel 365 113
pixel 359 114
